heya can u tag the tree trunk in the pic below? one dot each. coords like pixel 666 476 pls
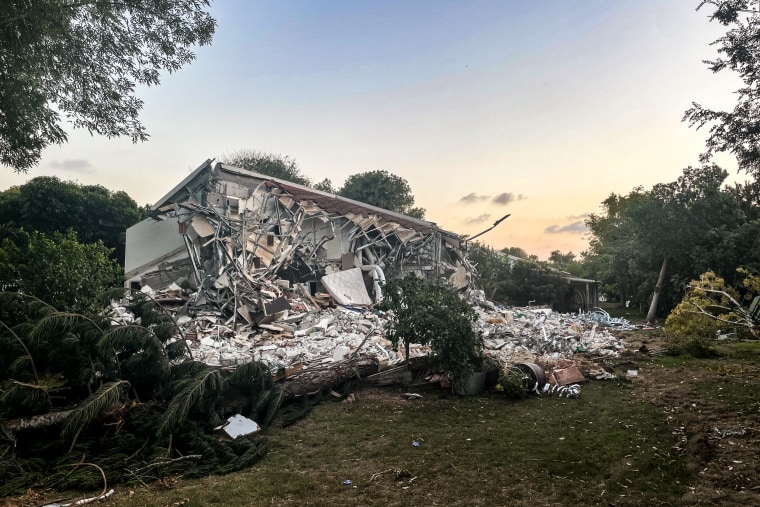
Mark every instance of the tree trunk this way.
pixel 37 421
pixel 657 288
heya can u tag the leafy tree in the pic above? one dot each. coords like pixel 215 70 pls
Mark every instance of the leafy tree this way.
pixel 382 189
pixel 712 306
pixel 748 195
pixel 493 272
pixel 85 59
pixel 432 313
pixel 689 221
pixel 668 235
pixel 612 246
pixel 57 269
pixel 561 260
pixel 326 186
pixel 276 166
pixel 524 282
pixel 94 212
pixel 737 131
pixel 533 282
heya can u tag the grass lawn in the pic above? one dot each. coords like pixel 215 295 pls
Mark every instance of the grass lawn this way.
pixel 605 448
pixel 684 432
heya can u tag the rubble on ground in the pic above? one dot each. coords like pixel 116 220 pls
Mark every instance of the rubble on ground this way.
pixel 314 332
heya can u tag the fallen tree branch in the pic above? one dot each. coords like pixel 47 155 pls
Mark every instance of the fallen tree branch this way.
pixel 163 462
pixel 103 495
pixel 37 421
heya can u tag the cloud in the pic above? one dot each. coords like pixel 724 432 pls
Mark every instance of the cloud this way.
pixel 578 227
pixel 477 220
pixel 579 217
pixel 473 197
pixel 504 198
pixel 79 165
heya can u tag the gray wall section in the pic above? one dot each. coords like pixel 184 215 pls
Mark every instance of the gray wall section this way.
pixel 150 242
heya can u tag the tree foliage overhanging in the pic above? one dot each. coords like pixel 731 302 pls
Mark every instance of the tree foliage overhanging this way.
pixel 738 131
pixel 85 60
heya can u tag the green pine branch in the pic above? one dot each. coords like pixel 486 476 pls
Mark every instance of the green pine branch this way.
pixel 90 409
pixel 191 393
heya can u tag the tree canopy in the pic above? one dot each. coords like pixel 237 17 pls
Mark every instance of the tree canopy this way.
pixel 84 60
pixel 738 131
pixel 270 164
pixel 57 269
pixel 690 225
pixel 93 211
pixel 382 189
pixel 521 283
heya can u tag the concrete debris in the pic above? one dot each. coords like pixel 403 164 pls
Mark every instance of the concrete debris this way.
pixel 522 334
pixel 256 268
pixel 241 240
pixel 310 336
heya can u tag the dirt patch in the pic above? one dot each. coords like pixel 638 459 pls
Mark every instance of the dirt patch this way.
pixel 711 407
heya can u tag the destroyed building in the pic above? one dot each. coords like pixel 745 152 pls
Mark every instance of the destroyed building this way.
pixel 256 268
pixel 238 238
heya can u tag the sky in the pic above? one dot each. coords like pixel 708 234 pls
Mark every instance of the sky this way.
pixel 536 108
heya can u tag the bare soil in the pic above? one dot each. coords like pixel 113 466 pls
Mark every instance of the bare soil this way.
pixel 712 408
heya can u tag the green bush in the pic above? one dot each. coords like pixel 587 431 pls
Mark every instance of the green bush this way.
pixel 432 313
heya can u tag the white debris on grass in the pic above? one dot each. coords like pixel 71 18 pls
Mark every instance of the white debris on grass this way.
pixel 316 337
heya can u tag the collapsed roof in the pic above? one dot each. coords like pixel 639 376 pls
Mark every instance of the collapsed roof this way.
pixel 239 238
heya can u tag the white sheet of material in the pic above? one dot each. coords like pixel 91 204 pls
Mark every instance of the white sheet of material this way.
pixel 347 287
pixel 238 425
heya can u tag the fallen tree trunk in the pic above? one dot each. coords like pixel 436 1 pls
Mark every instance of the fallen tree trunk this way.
pixel 308 381
pixel 37 421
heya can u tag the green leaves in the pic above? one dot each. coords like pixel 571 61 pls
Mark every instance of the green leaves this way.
pixel 276 166
pixel 93 407
pixel 140 396
pixel 190 393
pixel 382 189
pixel 86 59
pixel 736 131
pixel 58 269
pixel 433 314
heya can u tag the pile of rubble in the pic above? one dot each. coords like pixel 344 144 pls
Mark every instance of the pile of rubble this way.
pixel 311 332
pixel 256 268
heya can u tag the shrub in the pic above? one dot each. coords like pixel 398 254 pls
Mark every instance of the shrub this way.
pixel 709 308
pixel 432 313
